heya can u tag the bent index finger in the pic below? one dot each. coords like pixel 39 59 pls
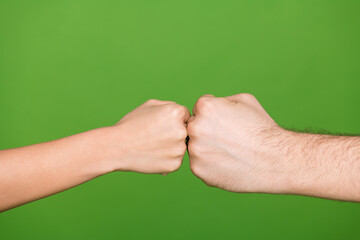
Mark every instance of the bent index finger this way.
pixel 187 114
pixel 155 102
pixel 194 110
pixel 241 97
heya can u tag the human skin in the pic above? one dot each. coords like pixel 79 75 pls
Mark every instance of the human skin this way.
pixel 236 146
pixel 150 139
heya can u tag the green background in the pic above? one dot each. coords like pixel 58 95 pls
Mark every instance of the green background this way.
pixel 70 66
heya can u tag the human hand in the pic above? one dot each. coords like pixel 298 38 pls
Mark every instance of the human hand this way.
pixel 150 139
pixel 232 145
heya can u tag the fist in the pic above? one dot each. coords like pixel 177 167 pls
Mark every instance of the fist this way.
pixel 229 142
pixel 151 138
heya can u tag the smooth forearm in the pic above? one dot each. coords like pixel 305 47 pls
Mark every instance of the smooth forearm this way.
pixel 37 171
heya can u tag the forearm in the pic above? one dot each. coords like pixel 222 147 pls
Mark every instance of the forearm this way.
pixel 323 166
pixel 40 170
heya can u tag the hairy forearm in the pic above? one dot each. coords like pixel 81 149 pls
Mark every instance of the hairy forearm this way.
pixel 33 172
pixel 322 165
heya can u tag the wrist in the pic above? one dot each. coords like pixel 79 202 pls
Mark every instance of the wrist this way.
pixel 283 152
pixel 278 147
pixel 293 165
pixel 296 171
pixel 100 150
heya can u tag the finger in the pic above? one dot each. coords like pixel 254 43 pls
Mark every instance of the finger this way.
pixel 194 110
pixel 187 114
pixel 234 98
pixel 190 119
pixel 241 97
pixel 155 102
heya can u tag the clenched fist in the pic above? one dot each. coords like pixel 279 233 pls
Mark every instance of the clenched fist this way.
pixel 230 144
pixel 150 139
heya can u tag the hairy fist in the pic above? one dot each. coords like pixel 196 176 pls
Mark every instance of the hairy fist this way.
pixel 151 138
pixel 229 142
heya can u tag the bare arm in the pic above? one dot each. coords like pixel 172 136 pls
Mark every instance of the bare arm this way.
pixel 37 171
pixel 235 145
pixel 150 139
pixel 324 165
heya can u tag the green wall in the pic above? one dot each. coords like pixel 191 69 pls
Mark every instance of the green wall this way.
pixel 70 66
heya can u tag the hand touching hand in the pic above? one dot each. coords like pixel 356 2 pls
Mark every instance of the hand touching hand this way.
pixel 229 144
pixel 150 139
pixel 234 145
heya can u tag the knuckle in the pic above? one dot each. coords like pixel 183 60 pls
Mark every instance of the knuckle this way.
pixel 192 128
pixel 183 148
pixel 247 97
pixel 195 168
pixel 179 149
pixel 199 171
pixel 151 101
pixel 178 111
pixel 203 103
pixel 181 134
pixel 193 148
pixel 174 166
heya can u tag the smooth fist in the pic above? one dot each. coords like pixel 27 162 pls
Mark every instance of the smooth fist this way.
pixel 150 139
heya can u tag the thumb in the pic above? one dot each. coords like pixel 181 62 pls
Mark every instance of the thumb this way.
pixel 190 120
